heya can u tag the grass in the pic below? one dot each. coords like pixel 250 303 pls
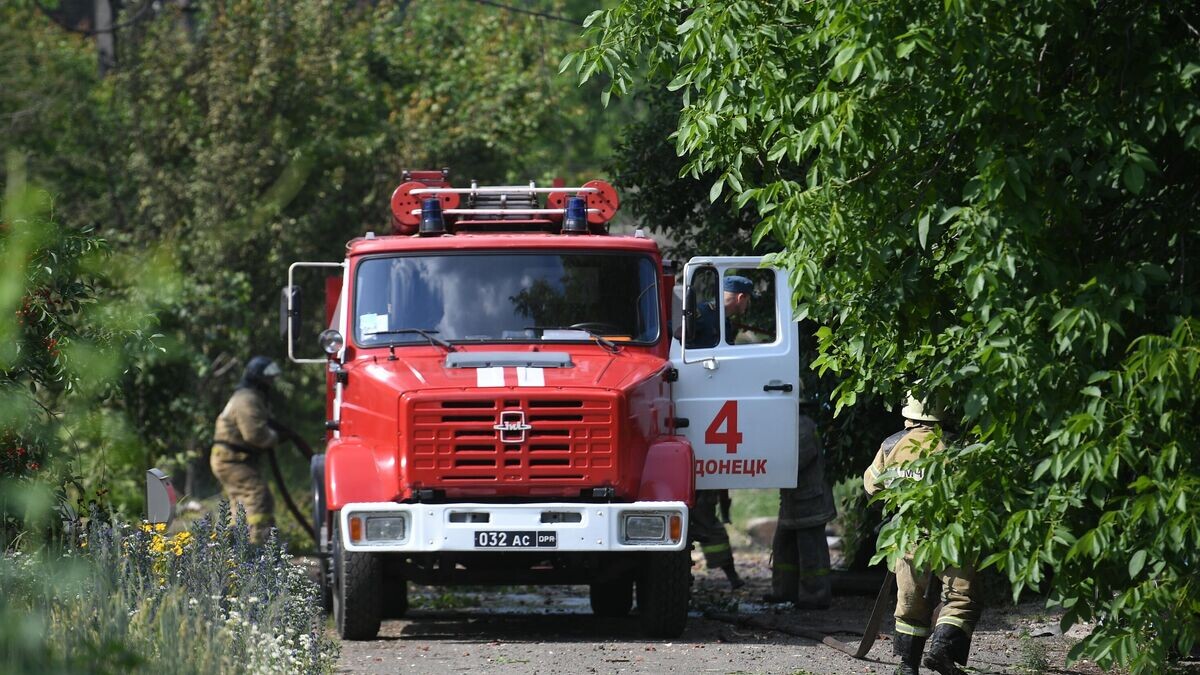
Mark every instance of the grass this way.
pixel 1035 658
pixel 443 600
pixel 750 504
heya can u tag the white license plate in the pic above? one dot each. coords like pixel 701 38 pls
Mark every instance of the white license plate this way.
pixel 515 539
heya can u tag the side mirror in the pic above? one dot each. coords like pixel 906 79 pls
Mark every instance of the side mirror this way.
pixel 289 320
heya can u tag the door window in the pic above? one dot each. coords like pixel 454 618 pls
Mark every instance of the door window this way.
pixel 750 317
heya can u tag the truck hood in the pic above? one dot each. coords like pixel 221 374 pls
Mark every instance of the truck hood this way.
pixel 481 368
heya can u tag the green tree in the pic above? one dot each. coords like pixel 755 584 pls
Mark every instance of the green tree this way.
pixel 664 196
pixel 260 133
pixel 69 326
pixel 992 204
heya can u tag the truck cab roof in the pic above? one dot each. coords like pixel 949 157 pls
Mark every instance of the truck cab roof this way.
pixel 494 241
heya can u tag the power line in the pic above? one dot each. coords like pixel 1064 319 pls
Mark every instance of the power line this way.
pixel 530 12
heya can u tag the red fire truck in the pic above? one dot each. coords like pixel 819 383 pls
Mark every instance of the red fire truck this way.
pixel 509 404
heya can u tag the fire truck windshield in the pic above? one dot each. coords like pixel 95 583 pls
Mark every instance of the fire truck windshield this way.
pixel 486 297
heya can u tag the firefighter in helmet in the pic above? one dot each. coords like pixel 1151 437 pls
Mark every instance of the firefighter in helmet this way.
pixel 243 432
pixel 950 639
pixel 704 525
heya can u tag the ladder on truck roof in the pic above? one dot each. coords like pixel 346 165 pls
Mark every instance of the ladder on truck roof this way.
pixel 428 196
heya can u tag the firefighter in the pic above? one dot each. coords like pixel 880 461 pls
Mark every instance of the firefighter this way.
pixel 242 433
pixel 950 640
pixel 708 529
pixel 736 292
pixel 799 551
pixel 704 526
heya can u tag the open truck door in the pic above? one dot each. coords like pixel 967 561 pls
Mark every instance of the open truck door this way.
pixel 738 385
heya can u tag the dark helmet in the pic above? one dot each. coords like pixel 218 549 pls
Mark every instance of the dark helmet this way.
pixel 260 373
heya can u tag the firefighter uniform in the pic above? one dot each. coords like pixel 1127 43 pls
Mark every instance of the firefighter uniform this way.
pixel 708 529
pixel 799 551
pixel 951 638
pixel 242 434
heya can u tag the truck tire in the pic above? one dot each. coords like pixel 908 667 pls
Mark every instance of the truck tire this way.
pixel 612 599
pixel 664 591
pixel 358 585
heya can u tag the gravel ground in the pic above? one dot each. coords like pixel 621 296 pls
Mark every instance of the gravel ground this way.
pixel 534 630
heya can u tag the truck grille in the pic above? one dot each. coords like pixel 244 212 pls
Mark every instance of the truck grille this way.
pixel 530 440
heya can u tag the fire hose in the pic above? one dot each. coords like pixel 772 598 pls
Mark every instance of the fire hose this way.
pixel 858 650
pixel 288 434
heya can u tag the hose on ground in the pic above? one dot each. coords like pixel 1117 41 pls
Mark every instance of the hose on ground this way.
pixel 288 434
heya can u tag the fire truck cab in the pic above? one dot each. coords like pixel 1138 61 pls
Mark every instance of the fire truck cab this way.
pixel 514 396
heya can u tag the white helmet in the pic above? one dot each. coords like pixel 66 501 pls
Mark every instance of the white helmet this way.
pixel 914 409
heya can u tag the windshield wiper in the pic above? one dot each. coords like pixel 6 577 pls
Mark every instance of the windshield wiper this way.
pixel 427 334
pixel 600 339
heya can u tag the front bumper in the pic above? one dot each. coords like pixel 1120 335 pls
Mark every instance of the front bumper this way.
pixel 455 527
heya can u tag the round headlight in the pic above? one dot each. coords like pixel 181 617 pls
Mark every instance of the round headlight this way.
pixel 331 341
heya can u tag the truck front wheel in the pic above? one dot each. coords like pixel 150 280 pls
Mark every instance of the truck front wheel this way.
pixel 357 589
pixel 612 598
pixel 664 589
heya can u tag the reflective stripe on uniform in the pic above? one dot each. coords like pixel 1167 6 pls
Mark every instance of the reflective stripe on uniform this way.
pixel 824 571
pixel 785 567
pixel 953 621
pixel 714 548
pixel 909 629
pixel 257 518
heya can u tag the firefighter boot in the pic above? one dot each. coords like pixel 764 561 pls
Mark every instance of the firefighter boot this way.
pixel 735 581
pixel 816 592
pixel 908 648
pixel 948 647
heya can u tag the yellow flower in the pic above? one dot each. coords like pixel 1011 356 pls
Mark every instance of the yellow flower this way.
pixel 180 542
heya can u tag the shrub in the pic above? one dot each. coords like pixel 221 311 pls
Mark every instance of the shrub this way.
pixel 127 597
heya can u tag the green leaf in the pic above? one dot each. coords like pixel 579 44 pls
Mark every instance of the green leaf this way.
pixel 715 191
pixel 844 55
pixel 923 228
pixel 1134 177
pixel 1136 562
pixel 591 18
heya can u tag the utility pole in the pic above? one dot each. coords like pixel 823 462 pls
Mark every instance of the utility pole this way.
pixel 105 40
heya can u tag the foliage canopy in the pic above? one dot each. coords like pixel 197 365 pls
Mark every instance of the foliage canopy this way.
pixel 993 204
pixel 232 141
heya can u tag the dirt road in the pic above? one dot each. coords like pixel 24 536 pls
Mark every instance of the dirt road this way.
pixel 531 631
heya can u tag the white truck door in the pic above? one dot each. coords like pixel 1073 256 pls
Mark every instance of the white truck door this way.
pixel 738 384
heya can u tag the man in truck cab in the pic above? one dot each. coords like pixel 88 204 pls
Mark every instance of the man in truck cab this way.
pixel 736 298
pixel 242 434
pixel 704 525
